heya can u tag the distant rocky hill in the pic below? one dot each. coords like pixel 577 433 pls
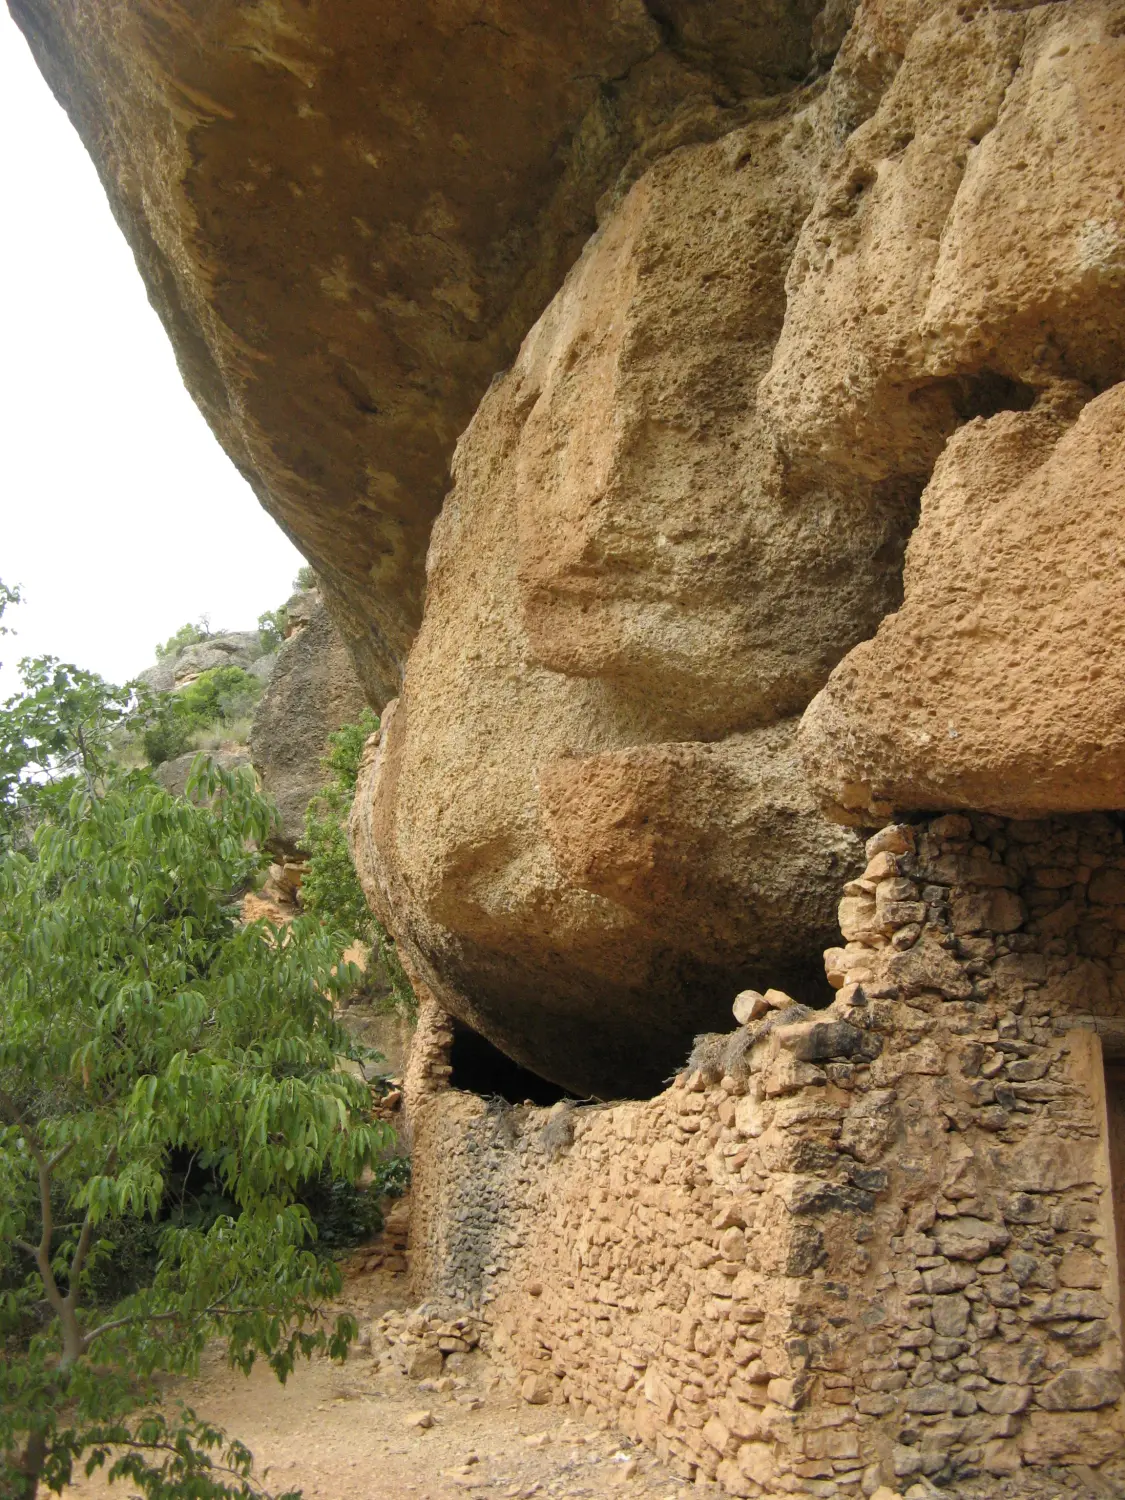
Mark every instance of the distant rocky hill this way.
pixel 234 648
pixel 308 690
pixel 312 691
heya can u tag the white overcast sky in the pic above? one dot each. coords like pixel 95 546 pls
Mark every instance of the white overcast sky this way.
pixel 120 515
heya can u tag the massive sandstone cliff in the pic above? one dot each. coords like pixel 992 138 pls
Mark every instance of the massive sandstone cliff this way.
pixel 775 295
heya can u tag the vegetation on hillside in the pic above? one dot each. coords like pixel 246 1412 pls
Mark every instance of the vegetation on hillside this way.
pixel 187 635
pixel 221 697
pixel 273 623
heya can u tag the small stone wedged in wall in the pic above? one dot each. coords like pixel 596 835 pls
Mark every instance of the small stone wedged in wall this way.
pixel 861 1247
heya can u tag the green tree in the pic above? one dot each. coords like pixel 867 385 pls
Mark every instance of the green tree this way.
pixel 141 1026
pixel 56 729
pixel 187 635
pixel 306 579
pixel 330 887
pixel 271 628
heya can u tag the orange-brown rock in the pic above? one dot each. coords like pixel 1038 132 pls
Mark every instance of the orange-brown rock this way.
pixel 587 824
pixel 685 500
pixel 967 251
pixel 966 257
pixel 347 217
pixel 670 519
pixel 997 684
pixel 664 546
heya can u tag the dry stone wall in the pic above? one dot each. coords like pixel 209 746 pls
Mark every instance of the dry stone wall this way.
pixel 860 1247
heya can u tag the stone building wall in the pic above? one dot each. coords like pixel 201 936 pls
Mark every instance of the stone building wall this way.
pixel 872 1245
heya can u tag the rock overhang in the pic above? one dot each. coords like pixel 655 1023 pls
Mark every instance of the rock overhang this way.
pixel 349 224
pixel 347 220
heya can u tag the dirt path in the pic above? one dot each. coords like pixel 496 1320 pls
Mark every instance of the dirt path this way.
pixel 349 1432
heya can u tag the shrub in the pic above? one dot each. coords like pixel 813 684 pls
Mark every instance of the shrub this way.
pixel 306 579
pixel 391 1176
pixel 220 696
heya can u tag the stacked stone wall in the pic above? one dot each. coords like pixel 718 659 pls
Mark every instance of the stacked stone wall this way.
pixel 871 1245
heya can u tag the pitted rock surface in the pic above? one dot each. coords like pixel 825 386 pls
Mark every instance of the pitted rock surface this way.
pixel 993 685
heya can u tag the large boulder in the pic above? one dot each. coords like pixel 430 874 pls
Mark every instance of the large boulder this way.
pixel 160 677
pixel 998 684
pixel 235 648
pixel 173 774
pixel 312 692
pixel 232 648
pixel 347 217
pixel 587 824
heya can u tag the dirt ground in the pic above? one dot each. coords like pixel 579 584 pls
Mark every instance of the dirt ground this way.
pixel 347 1432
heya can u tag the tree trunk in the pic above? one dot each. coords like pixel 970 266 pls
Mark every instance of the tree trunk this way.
pixel 30 1466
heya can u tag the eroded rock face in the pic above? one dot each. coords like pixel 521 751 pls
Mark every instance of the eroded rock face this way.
pixel 348 216
pixel 588 819
pixel 966 251
pixel 916 298
pixel 687 501
pixel 995 685
pixel 313 691
pixel 664 546
pixel 683 508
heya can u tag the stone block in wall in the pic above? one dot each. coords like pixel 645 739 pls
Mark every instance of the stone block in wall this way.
pixel 1083 1389
pixel 986 911
pixel 927 966
pixel 1050 1438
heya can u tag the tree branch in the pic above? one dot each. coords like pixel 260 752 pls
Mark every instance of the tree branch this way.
pixel 60 1156
pixel 62 1307
pixel 78 1259
pixel 43 1253
pixel 82 1249
pixel 165 1317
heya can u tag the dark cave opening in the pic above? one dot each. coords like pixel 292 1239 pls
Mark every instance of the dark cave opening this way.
pixel 481 1068
pixel 988 393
